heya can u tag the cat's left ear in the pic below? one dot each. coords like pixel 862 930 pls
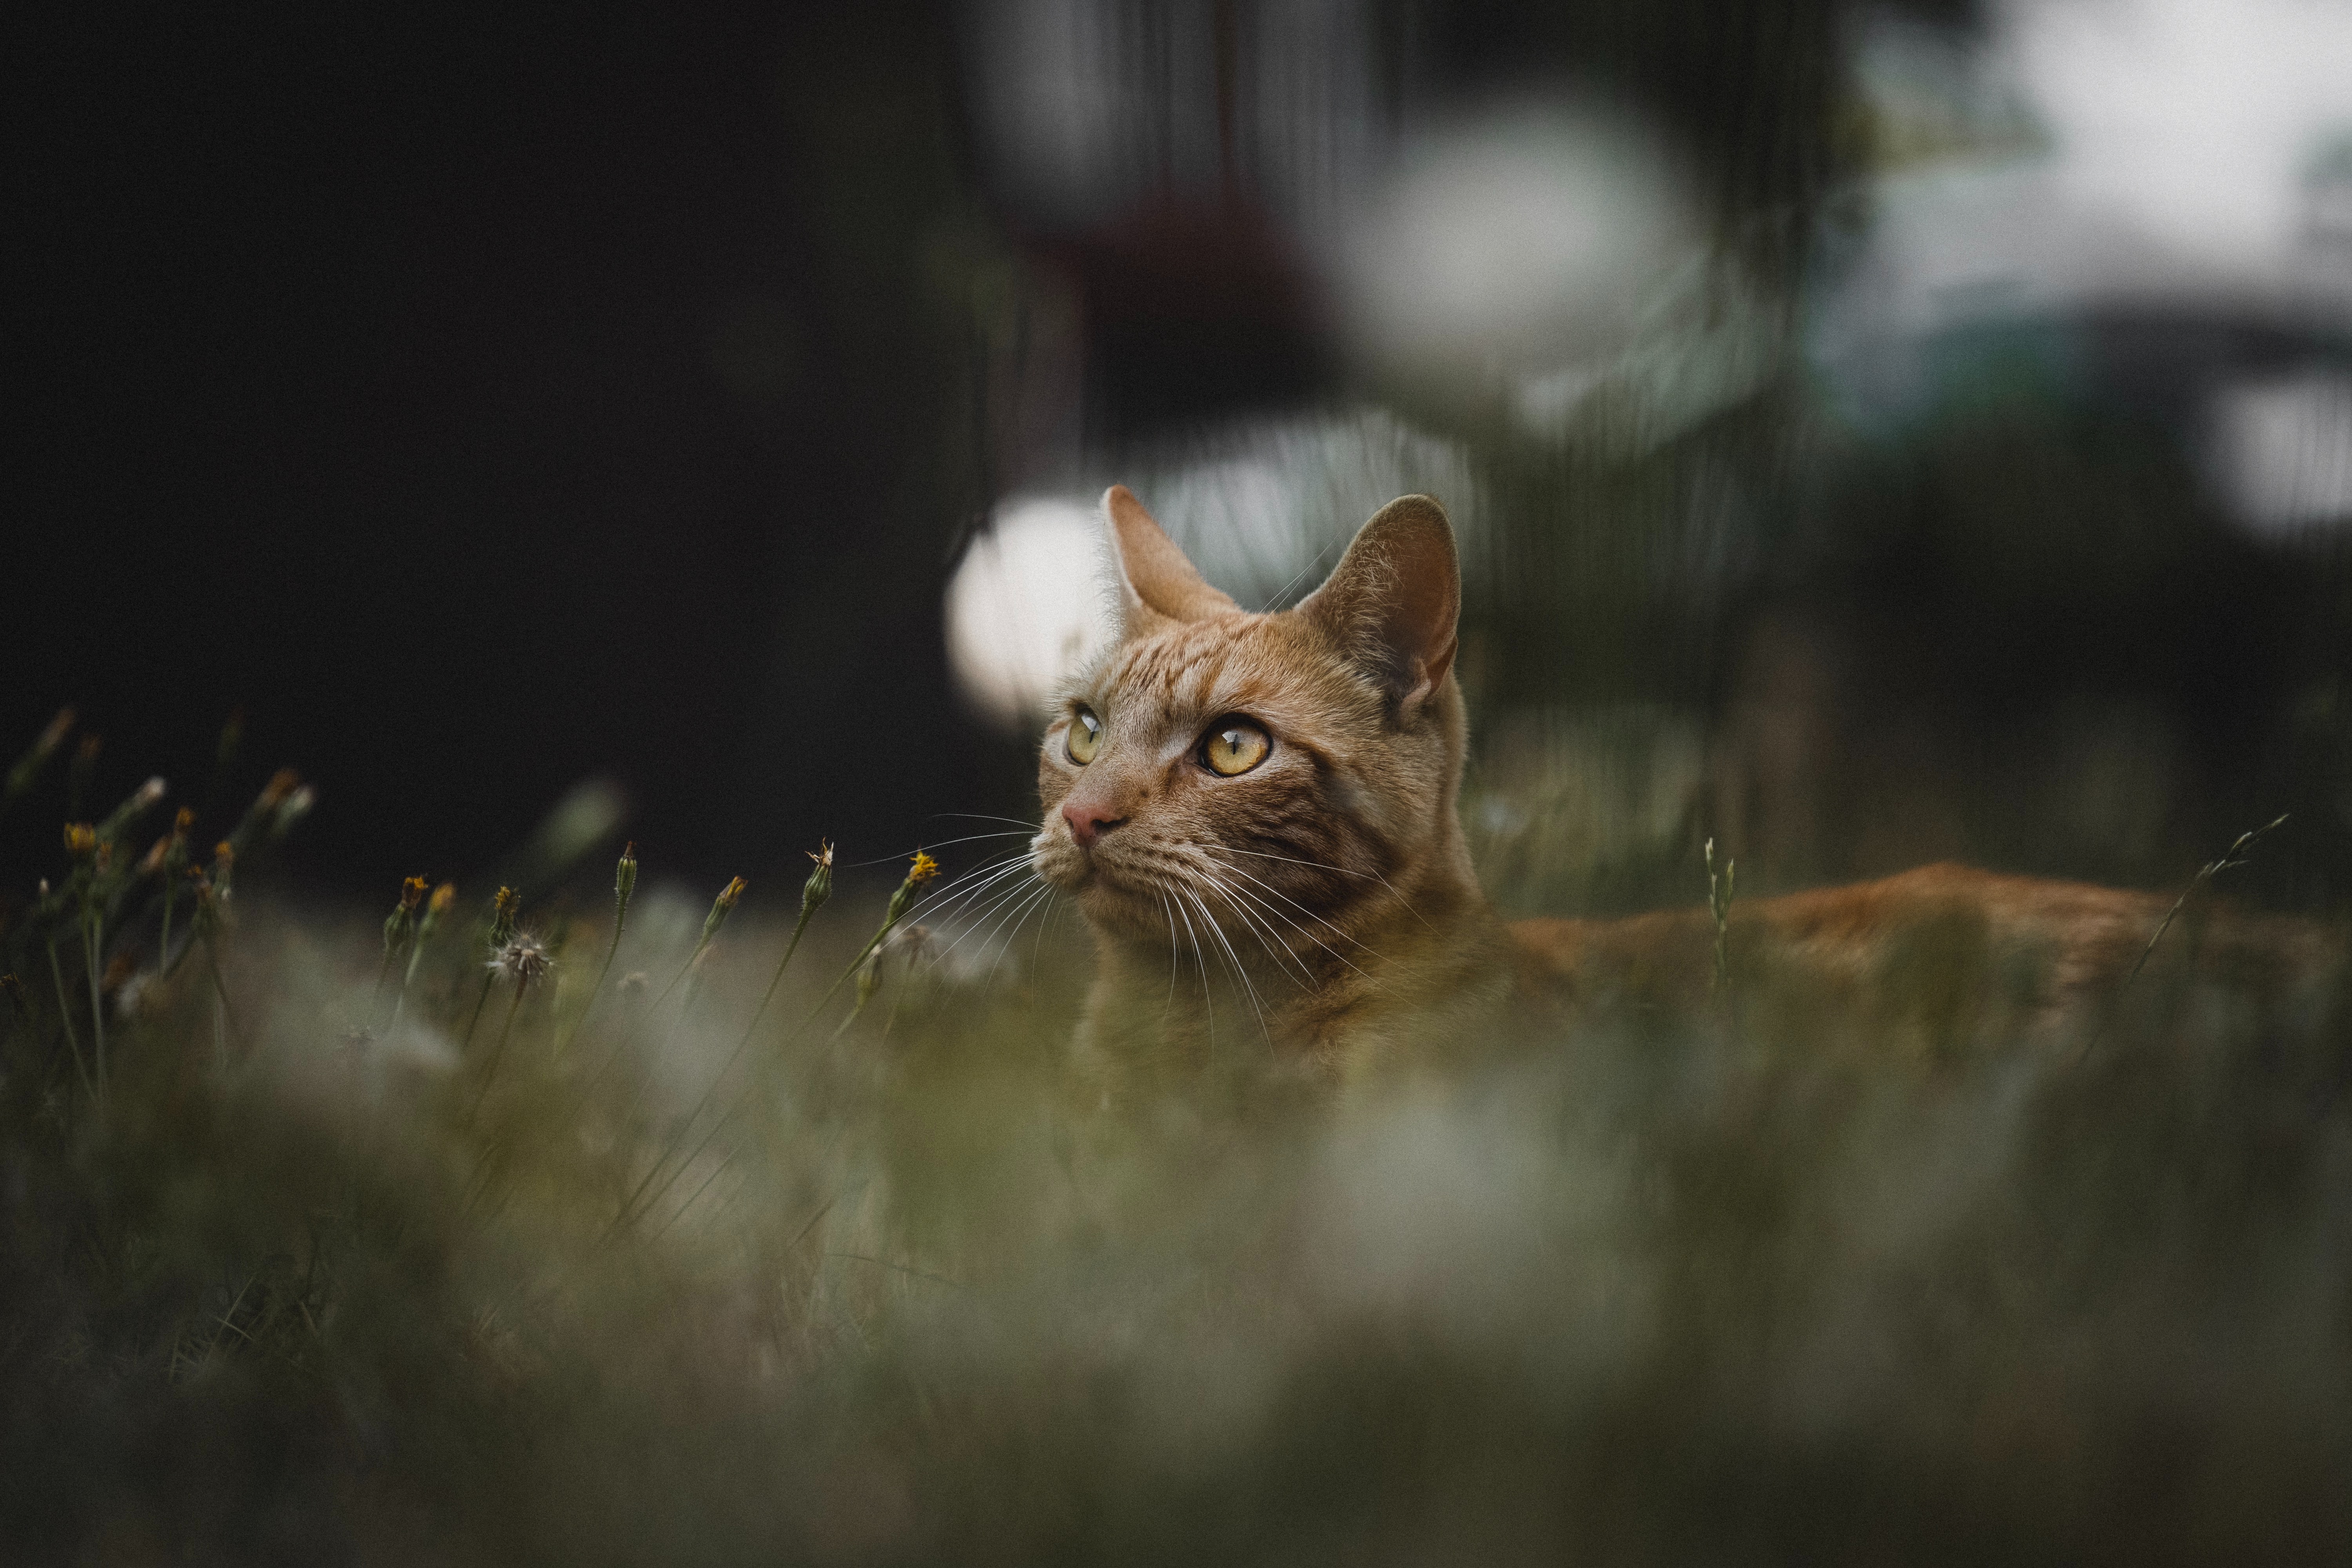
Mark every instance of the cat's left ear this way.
pixel 1154 576
pixel 1394 602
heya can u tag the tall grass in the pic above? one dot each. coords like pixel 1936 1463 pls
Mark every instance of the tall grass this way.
pixel 722 1264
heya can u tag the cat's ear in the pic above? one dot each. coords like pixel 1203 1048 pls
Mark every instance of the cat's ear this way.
pixel 1394 602
pixel 1153 574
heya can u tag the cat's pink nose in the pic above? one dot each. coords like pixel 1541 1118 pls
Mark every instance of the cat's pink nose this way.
pixel 1087 822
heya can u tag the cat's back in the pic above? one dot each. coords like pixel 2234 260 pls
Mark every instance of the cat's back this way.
pixel 1944 955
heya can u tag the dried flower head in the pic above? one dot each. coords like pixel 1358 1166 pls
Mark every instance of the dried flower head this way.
pixel 504 905
pixel 819 886
pixel 522 960
pixel 412 893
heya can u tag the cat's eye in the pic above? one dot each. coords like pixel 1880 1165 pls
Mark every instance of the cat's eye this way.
pixel 1234 746
pixel 1085 738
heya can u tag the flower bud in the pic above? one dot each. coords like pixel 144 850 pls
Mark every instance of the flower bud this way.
pixel 503 910
pixel 721 907
pixel 400 926
pixel 921 871
pixel 624 886
pixel 819 886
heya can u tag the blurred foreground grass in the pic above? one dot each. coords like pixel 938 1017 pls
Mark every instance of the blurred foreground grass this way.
pixel 355 1250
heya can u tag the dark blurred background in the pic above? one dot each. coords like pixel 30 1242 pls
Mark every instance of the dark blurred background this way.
pixel 481 403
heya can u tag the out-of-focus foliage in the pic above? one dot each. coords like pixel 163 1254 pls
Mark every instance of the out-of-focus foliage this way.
pixel 352 1261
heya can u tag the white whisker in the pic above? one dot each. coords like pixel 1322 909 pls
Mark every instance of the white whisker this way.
pixel 1270 888
pixel 1043 894
pixel 999 901
pixel 940 909
pixel 942 844
pixel 1342 871
pixel 1235 960
pixel 1267 936
pixel 1200 961
pixel 1170 917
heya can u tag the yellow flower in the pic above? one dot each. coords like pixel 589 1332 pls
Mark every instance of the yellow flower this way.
pixel 81 839
pixel 923 869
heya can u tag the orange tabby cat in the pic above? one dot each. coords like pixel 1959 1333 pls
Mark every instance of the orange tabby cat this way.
pixel 1256 812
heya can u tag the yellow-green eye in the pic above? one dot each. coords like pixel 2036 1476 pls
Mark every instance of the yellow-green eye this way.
pixel 1234 746
pixel 1086 736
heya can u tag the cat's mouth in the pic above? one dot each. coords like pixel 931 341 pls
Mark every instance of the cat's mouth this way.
pixel 1113 893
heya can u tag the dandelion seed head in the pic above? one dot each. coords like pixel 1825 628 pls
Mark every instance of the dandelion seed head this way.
pixel 522 960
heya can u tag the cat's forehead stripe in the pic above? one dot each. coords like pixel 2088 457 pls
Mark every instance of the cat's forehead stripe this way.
pixel 1163 660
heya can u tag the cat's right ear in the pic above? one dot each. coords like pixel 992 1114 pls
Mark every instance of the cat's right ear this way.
pixel 1154 576
pixel 1394 602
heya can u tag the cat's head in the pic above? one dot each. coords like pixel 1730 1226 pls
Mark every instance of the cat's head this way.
pixel 1259 772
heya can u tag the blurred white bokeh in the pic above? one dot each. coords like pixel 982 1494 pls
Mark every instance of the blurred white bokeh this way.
pixel 1028 605
pixel 2195 121
pixel 2283 451
pixel 1522 239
